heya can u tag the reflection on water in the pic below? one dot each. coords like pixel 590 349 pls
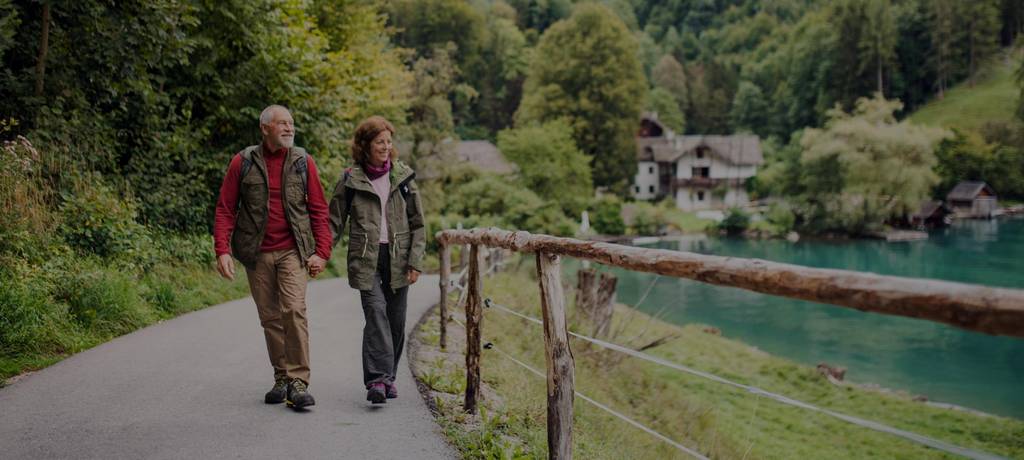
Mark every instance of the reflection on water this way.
pixel 944 363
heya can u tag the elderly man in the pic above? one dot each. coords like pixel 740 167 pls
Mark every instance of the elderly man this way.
pixel 272 216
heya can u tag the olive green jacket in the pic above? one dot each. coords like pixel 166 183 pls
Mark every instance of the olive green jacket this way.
pixel 404 215
pixel 253 194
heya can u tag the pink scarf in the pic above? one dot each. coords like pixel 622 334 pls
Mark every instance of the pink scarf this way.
pixel 374 172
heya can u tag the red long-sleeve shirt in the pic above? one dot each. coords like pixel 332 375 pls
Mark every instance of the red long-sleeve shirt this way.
pixel 278 233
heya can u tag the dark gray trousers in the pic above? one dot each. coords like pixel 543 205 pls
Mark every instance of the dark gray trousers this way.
pixel 384 333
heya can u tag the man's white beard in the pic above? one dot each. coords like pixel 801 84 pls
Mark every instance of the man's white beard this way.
pixel 287 142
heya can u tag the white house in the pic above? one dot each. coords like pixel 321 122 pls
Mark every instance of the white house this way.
pixel 699 172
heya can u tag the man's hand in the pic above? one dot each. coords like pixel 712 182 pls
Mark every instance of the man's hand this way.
pixel 226 266
pixel 412 276
pixel 316 265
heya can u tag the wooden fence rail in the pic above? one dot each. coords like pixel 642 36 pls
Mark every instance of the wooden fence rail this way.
pixel 997 311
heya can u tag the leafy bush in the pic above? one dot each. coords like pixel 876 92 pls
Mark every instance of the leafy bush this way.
pixel 736 221
pixel 98 221
pixel 647 218
pixel 607 217
pixel 781 216
pixel 492 200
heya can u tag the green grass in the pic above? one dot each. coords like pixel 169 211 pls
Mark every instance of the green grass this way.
pixel 55 315
pixel 719 421
pixel 687 222
pixel 993 98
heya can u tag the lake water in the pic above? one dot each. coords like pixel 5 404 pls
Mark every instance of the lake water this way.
pixel 944 363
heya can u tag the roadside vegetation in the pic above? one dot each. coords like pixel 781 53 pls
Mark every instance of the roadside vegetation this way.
pixel 719 421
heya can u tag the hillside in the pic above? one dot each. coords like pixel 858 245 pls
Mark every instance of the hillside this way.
pixel 968 107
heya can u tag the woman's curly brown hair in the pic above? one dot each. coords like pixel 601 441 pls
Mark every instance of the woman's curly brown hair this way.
pixel 364 135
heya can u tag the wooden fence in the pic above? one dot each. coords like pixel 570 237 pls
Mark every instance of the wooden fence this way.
pixel 990 310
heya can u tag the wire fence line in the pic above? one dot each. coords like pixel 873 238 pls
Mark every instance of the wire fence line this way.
pixel 913 437
pixel 623 417
pixel 997 311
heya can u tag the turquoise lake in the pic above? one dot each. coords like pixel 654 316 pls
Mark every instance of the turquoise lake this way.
pixel 942 362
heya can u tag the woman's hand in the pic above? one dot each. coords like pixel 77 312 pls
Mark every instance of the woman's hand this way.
pixel 412 276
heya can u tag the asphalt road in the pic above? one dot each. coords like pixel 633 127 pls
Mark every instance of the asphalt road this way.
pixel 192 388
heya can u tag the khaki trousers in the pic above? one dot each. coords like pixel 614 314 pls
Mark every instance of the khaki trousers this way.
pixel 278 285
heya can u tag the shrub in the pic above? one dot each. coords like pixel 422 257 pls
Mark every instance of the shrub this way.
pixel 96 220
pixel 781 216
pixel 647 219
pixel 736 221
pixel 607 217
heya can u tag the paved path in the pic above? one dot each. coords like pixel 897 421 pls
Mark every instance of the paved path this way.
pixel 192 388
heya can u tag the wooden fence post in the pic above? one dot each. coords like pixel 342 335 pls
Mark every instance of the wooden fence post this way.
pixel 560 365
pixel 474 315
pixel 446 271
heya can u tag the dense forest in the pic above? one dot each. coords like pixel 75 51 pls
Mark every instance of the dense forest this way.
pixel 119 118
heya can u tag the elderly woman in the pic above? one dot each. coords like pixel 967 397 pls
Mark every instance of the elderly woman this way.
pixel 378 197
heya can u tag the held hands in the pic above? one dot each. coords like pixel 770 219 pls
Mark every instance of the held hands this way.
pixel 316 265
pixel 412 276
pixel 226 266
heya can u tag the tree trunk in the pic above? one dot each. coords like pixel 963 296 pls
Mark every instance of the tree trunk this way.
pixel 881 90
pixel 44 48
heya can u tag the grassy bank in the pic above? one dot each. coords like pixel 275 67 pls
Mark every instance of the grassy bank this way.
pixel 67 302
pixel 968 107
pixel 719 421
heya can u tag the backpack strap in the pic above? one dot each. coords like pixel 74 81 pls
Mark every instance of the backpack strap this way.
pixel 404 189
pixel 302 167
pixel 246 155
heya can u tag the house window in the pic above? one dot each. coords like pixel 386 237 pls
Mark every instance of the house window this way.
pixel 701 172
pixel 650 170
pixel 637 188
pixel 700 154
pixel 700 196
pixel 652 188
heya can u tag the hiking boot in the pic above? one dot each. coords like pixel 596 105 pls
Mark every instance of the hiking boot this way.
pixel 277 394
pixel 391 390
pixel 298 395
pixel 375 393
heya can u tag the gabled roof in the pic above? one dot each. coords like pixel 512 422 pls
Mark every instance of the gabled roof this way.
pixel 482 154
pixel 739 149
pixel 927 209
pixel 968 190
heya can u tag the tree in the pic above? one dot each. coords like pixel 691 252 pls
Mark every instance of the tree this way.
pixel 434 79
pixel 665 106
pixel 550 164
pixel 162 93
pixel 749 109
pixel 944 36
pixel 668 73
pixel 980 26
pixel 499 78
pixel 585 70
pixel 850 77
pixel 864 167
pixel 878 39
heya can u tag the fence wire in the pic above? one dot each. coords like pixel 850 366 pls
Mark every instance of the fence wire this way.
pixel 691 452
pixel 914 437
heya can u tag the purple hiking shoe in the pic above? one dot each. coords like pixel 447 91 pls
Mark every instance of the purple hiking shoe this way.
pixel 392 390
pixel 375 393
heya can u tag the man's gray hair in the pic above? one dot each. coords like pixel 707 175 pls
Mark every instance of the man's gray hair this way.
pixel 268 113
